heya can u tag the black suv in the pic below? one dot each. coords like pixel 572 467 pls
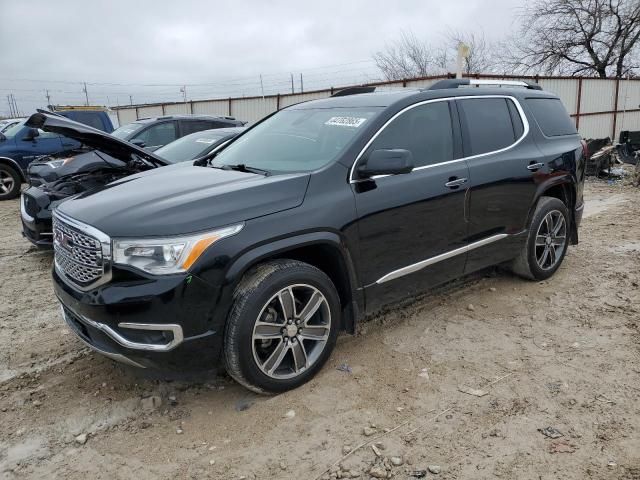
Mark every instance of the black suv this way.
pixel 318 215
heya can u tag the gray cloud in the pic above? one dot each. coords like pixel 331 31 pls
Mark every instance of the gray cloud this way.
pixel 225 45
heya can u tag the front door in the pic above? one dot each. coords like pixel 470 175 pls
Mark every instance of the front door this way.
pixel 412 226
pixel 30 148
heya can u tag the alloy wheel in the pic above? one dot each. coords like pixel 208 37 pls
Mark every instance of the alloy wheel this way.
pixel 6 182
pixel 551 240
pixel 291 331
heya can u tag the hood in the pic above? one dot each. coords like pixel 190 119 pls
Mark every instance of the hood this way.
pixel 117 148
pixel 184 199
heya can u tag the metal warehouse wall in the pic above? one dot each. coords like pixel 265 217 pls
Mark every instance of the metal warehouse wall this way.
pixel 600 107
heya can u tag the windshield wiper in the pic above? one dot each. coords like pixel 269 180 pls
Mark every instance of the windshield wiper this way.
pixel 241 167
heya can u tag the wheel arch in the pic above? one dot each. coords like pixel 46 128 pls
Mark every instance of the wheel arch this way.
pixel 15 165
pixel 325 251
pixel 564 189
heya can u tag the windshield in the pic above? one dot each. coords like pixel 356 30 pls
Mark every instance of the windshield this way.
pixel 190 147
pixel 126 131
pixel 297 140
pixel 12 131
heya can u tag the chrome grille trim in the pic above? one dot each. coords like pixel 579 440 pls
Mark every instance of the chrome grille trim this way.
pixel 82 252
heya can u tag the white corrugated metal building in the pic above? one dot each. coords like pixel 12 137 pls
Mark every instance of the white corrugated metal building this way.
pixel 600 107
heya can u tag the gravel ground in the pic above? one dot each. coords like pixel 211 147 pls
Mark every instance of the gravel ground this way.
pixel 561 353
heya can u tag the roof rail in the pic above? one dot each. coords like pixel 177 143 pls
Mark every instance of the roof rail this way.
pixel 458 82
pixel 353 91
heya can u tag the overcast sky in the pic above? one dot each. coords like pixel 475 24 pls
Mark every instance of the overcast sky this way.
pixel 147 49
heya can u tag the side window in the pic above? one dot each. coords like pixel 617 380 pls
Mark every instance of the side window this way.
pixel 516 119
pixel 42 134
pixel 158 135
pixel 425 131
pixel 192 126
pixel 488 124
pixel 551 116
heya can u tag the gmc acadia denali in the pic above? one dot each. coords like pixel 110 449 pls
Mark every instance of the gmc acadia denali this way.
pixel 316 216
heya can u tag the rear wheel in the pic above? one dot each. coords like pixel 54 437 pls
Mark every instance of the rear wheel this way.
pixel 10 182
pixel 282 326
pixel 547 241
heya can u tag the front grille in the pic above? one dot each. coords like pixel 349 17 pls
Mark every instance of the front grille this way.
pixel 77 254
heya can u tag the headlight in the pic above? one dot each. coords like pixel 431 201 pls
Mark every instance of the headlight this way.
pixel 162 256
pixel 59 163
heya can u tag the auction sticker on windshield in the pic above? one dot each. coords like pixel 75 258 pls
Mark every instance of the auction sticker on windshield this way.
pixel 354 122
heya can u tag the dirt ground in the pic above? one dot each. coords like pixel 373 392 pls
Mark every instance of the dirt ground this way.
pixel 563 353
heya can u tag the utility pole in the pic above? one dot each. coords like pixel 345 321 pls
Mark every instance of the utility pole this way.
pixel 131 100
pixel 10 106
pixel 301 84
pixel 86 94
pixel 48 98
pixel 15 106
pixel 261 87
pixel 292 89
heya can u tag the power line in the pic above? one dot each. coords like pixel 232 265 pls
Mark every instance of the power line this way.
pixel 220 82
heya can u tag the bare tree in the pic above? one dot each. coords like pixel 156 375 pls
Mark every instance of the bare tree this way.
pixel 409 57
pixel 406 57
pixel 481 54
pixel 577 37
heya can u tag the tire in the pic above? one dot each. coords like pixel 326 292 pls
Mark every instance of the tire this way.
pixel 264 349
pixel 10 182
pixel 528 263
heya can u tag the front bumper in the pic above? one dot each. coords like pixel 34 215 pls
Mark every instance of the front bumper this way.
pixel 164 323
pixel 35 213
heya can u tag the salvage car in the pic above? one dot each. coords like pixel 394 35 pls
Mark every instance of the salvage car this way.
pixel 318 215
pixel 21 145
pixel 53 181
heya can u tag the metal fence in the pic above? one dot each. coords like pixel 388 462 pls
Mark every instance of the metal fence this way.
pixel 600 107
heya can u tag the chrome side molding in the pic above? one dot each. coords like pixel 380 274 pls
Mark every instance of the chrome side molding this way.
pixel 401 272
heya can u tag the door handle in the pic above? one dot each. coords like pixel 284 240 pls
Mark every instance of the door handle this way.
pixel 535 166
pixel 455 182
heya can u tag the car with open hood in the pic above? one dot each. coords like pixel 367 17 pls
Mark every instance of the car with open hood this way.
pixel 107 159
pixel 317 216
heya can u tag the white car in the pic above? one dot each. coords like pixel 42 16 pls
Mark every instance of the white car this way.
pixel 9 122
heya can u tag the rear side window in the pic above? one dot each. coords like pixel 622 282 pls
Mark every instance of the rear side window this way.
pixel 192 126
pixel 425 131
pixel 488 124
pixel 551 116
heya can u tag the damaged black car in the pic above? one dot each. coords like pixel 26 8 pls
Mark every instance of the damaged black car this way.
pixel 105 159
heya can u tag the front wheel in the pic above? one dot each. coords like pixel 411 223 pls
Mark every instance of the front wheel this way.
pixel 282 327
pixel 547 241
pixel 10 182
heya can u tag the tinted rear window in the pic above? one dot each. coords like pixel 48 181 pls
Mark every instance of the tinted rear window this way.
pixel 551 116
pixel 488 124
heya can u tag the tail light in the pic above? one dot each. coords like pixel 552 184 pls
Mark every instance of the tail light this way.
pixel 585 149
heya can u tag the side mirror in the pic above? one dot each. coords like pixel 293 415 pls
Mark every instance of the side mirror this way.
pixel 138 142
pixel 387 162
pixel 32 133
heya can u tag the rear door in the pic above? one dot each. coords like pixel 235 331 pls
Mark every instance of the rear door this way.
pixel 412 228
pixel 504 162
